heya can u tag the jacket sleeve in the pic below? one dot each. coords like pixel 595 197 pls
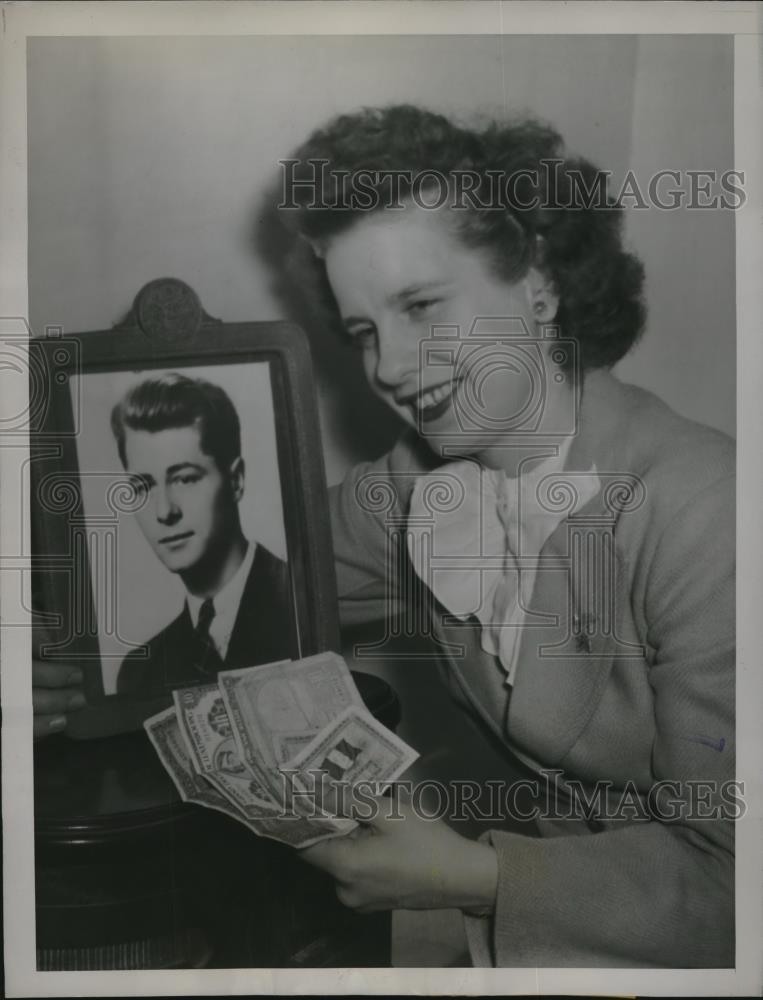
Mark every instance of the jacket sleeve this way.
pixel 658 892
pixel 367 510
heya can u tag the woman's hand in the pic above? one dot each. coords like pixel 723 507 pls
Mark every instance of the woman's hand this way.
pixel 399 860
pixel 56 691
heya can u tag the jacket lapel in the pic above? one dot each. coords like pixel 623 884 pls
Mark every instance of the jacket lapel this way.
pixel 563 667
pixel 264 630
pixel 571 639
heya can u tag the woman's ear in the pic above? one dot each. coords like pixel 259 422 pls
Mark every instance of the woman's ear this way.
pixel 542 296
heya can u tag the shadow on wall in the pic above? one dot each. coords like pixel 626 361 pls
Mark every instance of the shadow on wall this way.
pixel 361 424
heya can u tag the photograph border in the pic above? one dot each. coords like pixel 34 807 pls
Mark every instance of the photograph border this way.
pixel 410 17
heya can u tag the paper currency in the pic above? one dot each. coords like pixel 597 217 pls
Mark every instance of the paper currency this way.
pixel 163 730
pixel 354 748
pixel 277 709
pixel 206 728
pixel 271 746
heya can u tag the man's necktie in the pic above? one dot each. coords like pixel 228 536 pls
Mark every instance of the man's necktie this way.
pixel 208 659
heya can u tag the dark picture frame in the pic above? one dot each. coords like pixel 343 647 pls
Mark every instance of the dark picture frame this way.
pixel 167 329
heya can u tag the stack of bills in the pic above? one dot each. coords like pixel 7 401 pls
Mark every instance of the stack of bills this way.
pixel 272 745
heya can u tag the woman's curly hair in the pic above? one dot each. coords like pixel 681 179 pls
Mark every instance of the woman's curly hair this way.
pixel 530 205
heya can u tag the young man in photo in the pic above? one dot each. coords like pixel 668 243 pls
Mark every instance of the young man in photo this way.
pixel 179 439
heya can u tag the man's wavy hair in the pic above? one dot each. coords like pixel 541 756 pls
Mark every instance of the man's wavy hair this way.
pixel 173 400
pixel 540 218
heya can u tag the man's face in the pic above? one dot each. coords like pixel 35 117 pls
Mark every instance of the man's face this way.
pixel 190 511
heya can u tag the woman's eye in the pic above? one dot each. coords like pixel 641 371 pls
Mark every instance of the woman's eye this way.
pixel 187 479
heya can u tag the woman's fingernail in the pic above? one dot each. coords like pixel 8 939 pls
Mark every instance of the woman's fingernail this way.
pixel 76 701
pixel 75 677
pixel 58 723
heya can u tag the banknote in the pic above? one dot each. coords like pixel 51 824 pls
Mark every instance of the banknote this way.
pixel 277 709
pixel 163 730
pixel 206 729
pixel 276 747
pixel 353 748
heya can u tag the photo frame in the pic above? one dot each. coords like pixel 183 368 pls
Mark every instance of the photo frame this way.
pixel 102 599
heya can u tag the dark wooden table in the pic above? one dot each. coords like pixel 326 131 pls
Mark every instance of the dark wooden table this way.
pixel 128 876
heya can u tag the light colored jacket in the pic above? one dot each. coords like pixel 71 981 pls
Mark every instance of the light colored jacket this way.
pixel 631 693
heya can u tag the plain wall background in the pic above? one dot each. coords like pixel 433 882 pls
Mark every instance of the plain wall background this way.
pixel 151 157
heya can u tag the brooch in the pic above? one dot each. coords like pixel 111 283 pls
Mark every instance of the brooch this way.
pixel 583 628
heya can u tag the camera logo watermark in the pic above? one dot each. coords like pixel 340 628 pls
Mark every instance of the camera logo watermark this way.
pixel 503 378
pixel 42 365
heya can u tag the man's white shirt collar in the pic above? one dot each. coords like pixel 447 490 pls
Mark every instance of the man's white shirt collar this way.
pixel 226 602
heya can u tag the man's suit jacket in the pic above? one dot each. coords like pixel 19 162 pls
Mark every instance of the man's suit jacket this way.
pixel 648 697
pixel 264 631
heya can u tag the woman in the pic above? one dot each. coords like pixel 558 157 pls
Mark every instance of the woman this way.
pixel 454 258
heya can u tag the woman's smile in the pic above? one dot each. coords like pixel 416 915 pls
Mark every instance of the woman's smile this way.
pixel 433 402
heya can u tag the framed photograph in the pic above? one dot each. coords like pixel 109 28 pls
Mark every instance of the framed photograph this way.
pixel 178 496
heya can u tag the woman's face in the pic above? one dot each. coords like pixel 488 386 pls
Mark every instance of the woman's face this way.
pixel 431 317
